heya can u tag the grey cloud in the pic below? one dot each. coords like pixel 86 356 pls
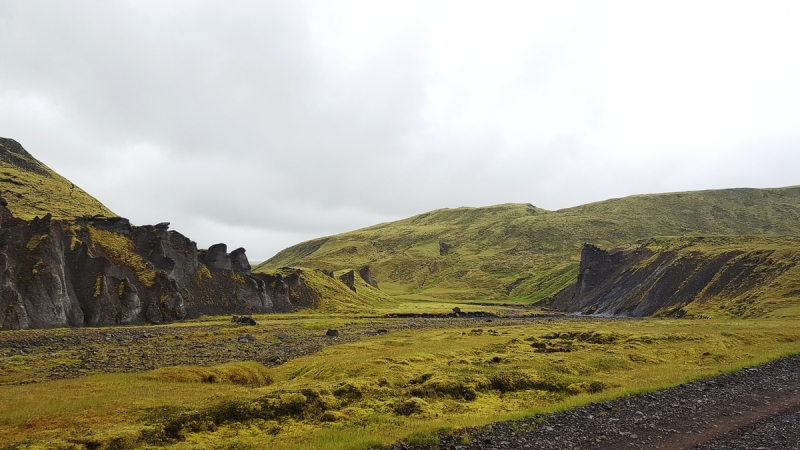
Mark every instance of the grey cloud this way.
pixel 225 119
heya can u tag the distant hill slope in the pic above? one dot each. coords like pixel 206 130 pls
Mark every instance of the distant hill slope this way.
pixel 733 276
pixel 33 189
pixel 524 253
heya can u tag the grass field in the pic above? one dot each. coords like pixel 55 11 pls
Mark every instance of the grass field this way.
pixel 405 384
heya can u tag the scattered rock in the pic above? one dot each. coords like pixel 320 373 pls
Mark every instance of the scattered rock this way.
pixel 244 338
pixel 332 333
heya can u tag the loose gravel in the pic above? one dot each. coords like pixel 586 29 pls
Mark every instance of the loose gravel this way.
pixel 757 408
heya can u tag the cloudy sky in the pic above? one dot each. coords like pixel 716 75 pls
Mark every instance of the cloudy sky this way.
pixel 263 124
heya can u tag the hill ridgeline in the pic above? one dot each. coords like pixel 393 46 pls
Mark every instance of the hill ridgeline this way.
pixel 517 252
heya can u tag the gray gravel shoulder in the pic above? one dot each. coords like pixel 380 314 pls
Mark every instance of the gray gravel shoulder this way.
pixel 757 408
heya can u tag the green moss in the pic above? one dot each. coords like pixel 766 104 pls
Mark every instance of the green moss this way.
pixel 203 272
pixel 120 250
pixel 98 286
pixel 237 277
pixel 35 241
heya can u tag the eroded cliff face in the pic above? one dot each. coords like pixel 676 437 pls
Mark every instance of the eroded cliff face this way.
pixel 733 276
pixel 104 271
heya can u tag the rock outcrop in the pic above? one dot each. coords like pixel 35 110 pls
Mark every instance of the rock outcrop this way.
pixel 104 271
pixel 366 275
pixel 671 277
pixel 349 279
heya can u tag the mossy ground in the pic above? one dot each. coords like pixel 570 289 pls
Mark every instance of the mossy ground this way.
pixel 381 387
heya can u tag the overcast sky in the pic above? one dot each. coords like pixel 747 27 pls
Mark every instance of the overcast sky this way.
pixel 263 124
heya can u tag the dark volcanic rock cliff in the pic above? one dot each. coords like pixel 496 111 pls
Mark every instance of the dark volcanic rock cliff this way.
pixel 104 271
pixel 735 276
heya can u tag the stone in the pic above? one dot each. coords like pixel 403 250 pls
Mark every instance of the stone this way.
pixel 246 338
pixel 247 320
pixel 332 333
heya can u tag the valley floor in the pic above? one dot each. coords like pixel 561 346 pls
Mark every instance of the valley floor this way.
pixel 434 380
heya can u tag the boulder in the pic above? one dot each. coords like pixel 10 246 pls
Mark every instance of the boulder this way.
pixel 245 338
pixel 247 320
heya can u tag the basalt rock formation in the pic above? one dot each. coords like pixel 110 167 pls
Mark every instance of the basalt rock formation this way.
pixel 366 275
pixel 104 271
pixel 737 276
pixel 349 279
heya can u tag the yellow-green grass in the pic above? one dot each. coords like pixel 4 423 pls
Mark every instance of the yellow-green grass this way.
pixel 31 194
pixel 494 247
pixel 385 388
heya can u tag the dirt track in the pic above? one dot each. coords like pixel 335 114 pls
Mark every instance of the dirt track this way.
pixel 758 408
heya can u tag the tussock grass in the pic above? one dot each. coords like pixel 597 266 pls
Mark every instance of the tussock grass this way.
pixel 243 373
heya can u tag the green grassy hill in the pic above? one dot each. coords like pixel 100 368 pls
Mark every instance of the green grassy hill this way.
pixel 33 189
pixel 523 253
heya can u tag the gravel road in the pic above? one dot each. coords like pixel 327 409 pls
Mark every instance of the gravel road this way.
pixel 757 408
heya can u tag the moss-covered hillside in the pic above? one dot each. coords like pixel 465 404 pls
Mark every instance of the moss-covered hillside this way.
pixel 520 252
pixel 33 189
